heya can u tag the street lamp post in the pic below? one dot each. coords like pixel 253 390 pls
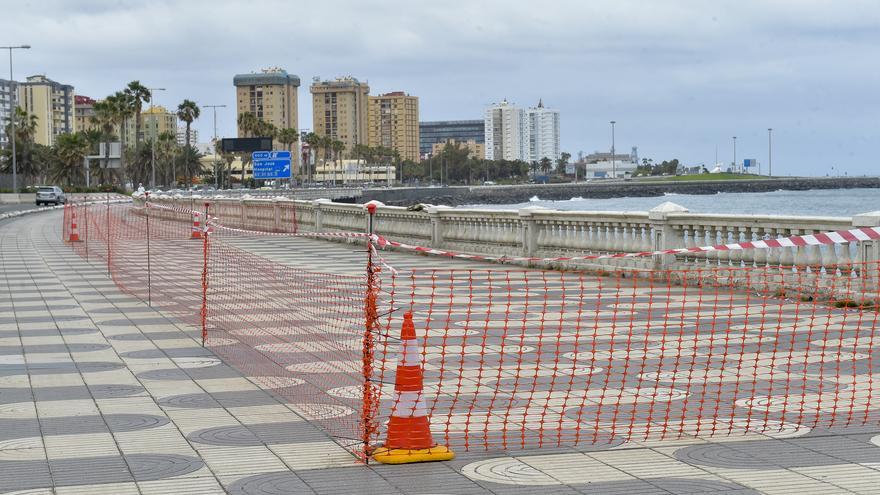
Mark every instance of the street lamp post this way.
pixel 770 150
pixel 613 161
pixel 734 154
pixel 12 114
pixel 155 138
pixel 214 108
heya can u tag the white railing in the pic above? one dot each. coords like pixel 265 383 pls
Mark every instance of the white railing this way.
pixel 539 232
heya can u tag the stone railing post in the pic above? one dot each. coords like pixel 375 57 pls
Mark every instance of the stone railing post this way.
pixel 436 227
pixel 663 236
pixel 276 217
pixel 244 215
pixel 319 214
pixel 869 251
pixel 528 227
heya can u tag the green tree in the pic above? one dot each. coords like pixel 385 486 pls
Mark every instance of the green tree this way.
pixel 188 112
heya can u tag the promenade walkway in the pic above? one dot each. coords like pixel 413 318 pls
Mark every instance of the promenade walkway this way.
pixel 101 394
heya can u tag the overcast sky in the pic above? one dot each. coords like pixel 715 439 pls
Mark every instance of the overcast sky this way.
pixel 679 77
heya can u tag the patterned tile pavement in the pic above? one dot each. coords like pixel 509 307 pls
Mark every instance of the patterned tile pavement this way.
pixel 101 394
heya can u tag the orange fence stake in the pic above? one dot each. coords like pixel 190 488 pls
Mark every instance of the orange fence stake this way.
pixel 409 431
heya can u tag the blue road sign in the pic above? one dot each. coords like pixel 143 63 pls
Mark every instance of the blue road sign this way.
pixel 750 162
pixel 271 164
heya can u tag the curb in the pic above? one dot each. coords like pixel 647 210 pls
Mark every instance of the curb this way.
pixel 13 214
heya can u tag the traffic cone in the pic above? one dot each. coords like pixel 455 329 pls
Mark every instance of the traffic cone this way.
pixel 409 432
pixel 74 229
pixel 197 226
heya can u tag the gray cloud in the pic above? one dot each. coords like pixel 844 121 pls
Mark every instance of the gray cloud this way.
pixel 680 77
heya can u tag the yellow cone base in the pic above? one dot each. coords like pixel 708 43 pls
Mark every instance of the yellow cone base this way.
pixel 406 456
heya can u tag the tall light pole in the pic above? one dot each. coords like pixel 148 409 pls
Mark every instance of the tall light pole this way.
pixel 613 162
pixel 12 113
pixel 770 150
pixel 214 108
pixel 155 137
pixel 734 154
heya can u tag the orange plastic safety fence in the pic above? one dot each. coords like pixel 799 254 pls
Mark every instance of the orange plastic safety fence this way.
pixel 512 358
pixel 296 332
pixel 530 358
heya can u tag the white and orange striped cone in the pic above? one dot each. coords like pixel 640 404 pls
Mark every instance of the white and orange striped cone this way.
pixel 409 431
pixel 74 228
pixel 197 226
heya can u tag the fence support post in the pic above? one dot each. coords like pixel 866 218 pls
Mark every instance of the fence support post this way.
pixel 869 251
pixel 149 271
pixel 663 236
pixel 204 310
pixel 371 320
pixel 244 215
pixel 109 274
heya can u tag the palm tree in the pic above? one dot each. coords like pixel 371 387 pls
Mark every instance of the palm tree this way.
pixel 546 165
pixel 188 111
pixel 25 134
pixel 69 153
pixel 312 140
pixel 165 149
pixel 287 137
pixel 138 94
pixel 105 118
pixel 337 147
pixel 247 123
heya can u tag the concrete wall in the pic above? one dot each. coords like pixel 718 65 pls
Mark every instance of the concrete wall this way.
pixel 9 198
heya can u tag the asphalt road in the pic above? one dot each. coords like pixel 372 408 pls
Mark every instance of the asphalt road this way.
pixel 5 208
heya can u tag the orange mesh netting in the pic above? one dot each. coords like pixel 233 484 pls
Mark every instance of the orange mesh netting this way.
pixel 512 358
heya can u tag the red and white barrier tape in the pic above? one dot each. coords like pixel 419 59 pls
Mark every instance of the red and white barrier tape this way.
pixel 827 238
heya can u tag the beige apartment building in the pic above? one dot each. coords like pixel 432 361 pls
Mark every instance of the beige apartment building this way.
pixel 271 95
pixel 394 123
pixel 475 149
pixel 52 103
pixel 340 110
pixel 157 120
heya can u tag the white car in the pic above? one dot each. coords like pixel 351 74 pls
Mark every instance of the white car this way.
pixel 50 194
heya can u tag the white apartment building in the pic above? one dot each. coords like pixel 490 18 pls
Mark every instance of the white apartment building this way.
pixel 543 136
pixel 7 92
pixel 181 136
pixel 506 132
pixel 512 133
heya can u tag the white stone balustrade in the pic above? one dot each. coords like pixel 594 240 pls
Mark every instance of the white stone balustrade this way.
pixel 540 232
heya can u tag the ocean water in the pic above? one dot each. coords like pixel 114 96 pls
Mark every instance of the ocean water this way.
pixel 820 202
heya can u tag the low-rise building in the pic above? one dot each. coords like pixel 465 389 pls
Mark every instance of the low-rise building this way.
pixel 475 149
pixel 84 110
pixel 441 131
pixel 353 171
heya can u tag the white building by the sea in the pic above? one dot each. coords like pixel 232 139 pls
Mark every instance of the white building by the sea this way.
pixel 513 133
